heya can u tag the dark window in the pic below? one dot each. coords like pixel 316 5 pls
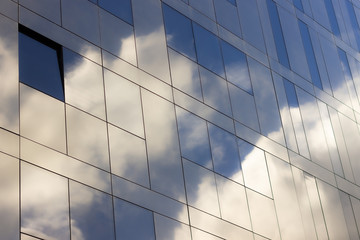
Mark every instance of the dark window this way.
pixel 40 63
pixel 179 33
pixel 120 8
pixel 332 17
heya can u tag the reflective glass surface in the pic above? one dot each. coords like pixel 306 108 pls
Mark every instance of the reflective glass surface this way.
pixel 227 15
pixel 133 222
pixel 121 9
pixel 225 153
pixel 194 138
pixel 91 213
pixel 44 195
pixel 179 32
pixel 236 67
pixel 39 65
pixel 166 228
pixel 208 50
pixel 332 17
pixel 298 5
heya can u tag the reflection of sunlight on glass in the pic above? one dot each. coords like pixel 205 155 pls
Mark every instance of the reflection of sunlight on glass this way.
pixel 127 49
pixel 241 75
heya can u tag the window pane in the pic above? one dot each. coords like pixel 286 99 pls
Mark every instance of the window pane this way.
pixel 332 17
pixel 167 228
pixel 236 67
pixel 133 222
pixel 91 213
pixel 121 9
pixel 208 50
pixel 179 33
pixel 298 5
pixel 39 65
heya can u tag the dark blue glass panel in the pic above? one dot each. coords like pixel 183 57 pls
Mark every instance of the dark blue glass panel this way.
pixel 179 34
pixel 332 17
pixel 224 152
pixel 277 32
pixel 354 23
pixel 298 5
pixel 232 2
pixel 39 66
pixel 93 1
pixel 310 56
pixel 236 67
pixel 208 50
pixel 120 8
pixel 291 94
pixel 194 139
pixel 133 222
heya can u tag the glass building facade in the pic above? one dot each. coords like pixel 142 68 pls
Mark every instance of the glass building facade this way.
pixel 179 119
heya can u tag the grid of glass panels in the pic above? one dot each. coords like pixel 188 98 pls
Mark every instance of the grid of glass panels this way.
pixel 179 119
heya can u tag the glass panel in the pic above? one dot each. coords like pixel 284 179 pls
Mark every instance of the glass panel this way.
pixel 185 74
pixel 64 165
pixel 355 203
pixel 208 50
pixel 316 207
pixel 194 138
pixel 215 91
pixel 353 31
pixel 149 199
pixel 133 222
pixel 250 23
pixel 84 84
pixel 48 9
pixel 296 118
pixel 123 103
pixel 39 65
pixel 179 33
pixel 227 15
pixel 225 153
pixel 330 139
pixel 320 13
pixel 128 156
pixel 167 228
pixel 314 72
pixel 9 143
pixel 287 206
pixel 87 138
pixel 277 33
pixel 233 202
pixel 27 237
pixel 333 212
pixel 121 9
pixel 254 166
pixel 163 147
pixel 265 100
pixel 236 67
pixel 42 118
pixel 349 216
pixel 9 201
pixel 314 130
pixel 289 131
pixel 91 213
pixel 117 36
pixel 44 203
pixel 243 107
pixel 201 188
pixel 294 46
pixel 332 17
pixel 204 6
pixel 304 204
pixel 200 235
pixel 150 38
pixel 218 227
pixel 9 72
pixel 298 5
pixel 82 18
pixel 349 80
pixel 340 141
pixel 263 216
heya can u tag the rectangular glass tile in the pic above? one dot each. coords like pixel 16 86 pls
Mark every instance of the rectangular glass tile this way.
pixel 349 216
pixel 201 188
pixel 121 9
pixel 91 213
pixel 48 9
pixel 227 15
pixel 208 50
pixel 9 143
pixel 201 235
pixel 44 195
pixel 162 144
pixel 179 32
pixel 332 17
pixel 320 15
pixel 194 138
pixel 9 201
pixel 166 228
pixel 206 7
